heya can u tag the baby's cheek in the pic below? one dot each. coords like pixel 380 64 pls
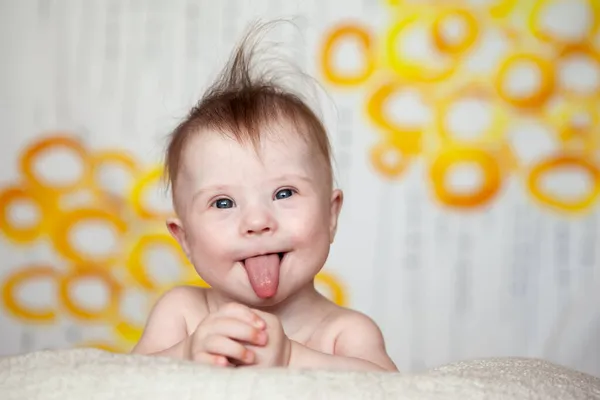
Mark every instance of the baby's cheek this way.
pixel 307 231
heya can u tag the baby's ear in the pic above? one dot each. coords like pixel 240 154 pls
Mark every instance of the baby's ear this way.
pixel 337 199
pixel 175 228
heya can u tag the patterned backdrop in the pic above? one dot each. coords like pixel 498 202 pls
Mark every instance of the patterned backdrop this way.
pixel 466 137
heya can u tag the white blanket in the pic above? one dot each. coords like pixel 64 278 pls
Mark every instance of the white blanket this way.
pixel 85 374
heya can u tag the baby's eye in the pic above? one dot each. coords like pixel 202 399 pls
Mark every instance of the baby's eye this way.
pixel 284 194
pixel 223 203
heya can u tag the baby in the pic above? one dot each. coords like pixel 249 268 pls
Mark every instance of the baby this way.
pixel 252 186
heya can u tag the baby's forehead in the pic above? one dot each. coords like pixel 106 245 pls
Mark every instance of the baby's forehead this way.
pixel 271 144
pixel 211 150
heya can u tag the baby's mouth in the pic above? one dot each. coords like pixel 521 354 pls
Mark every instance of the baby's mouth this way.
pixel 263 273
pixel 280 255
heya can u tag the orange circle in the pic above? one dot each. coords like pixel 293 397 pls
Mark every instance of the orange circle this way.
pixel 107 313
pixel 547 82
pixel 115 158
pixel 47 144
pixel 151 177
pixel 338 34
pixel 589 51
pixel 410 70
pixel 492 135
pixel 389 170
pixel 18 278
pixel 337 291
pixel 64 247
pixel 488 164
pixel 471 35
pixel 24 234
pixel 540 34
pixel 116 201
pixel 555 162
pixel 407 138
pixel 137 267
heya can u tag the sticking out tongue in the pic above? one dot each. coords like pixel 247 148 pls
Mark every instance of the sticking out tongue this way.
pixel 263 273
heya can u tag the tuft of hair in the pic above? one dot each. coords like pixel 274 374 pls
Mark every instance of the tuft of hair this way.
pixel 242 103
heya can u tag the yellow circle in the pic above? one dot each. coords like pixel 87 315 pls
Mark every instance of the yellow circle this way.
pixel 48 144
pixel 114 201
pixel 389 169
pixel 450 157
pixel 24 234
pixel 555 162
pixel 337 291
pixel 540 34
pixel 137 267
pixel 410 70
pixel 408 139
pixel 472 31
pixel 547 81
pixel 338 34
pixel 16 279
pixel 151 177
pixel 492 135
pixel 61 234
pixel 109 312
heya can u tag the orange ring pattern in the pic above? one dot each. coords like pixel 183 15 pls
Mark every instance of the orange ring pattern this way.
pixel 21 234
pixel 18 278
pixel 47 144
pixel 61 237
pixel 445 69
pixel 78 311
pixel 471 34
pixel 340 34
pixel 547 81
pixel 487 163
pixel 565 160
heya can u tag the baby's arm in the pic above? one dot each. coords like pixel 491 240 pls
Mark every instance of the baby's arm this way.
pixel 166 330
pixel 358 346
pixel 180 327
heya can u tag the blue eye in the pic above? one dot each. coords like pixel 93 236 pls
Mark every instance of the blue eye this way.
pixel 284 194
pixel 223 203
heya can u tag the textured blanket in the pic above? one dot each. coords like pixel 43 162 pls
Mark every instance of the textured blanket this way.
pixel 86 374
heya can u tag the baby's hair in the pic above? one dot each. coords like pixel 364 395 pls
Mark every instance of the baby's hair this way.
pixel 241 104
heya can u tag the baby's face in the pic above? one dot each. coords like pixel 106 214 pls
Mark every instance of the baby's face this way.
pixel 256 226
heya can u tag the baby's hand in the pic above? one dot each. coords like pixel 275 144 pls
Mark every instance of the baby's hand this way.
pixel 276 351
pixel 219 339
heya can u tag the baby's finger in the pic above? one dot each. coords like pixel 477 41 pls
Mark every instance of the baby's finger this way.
pixel 235 329
pixel 226 347
pixel 211 359
pixel 243 313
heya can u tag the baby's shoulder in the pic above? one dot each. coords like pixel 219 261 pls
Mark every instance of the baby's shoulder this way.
pixel 342 319
pixel 345 329
pixel 187 301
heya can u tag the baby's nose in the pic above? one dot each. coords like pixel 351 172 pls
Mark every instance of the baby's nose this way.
pixel 258 222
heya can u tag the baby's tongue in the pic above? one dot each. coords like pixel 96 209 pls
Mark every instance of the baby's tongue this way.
pixel 263 273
